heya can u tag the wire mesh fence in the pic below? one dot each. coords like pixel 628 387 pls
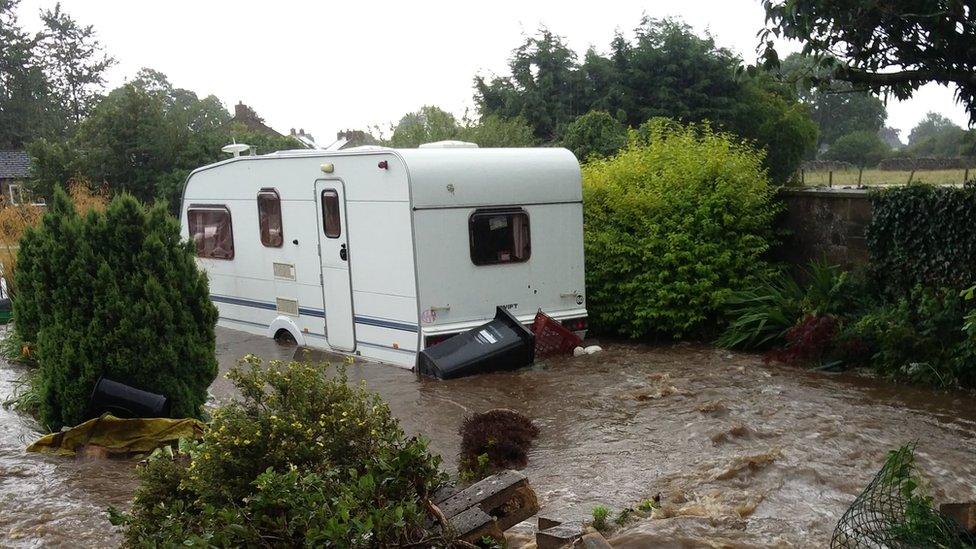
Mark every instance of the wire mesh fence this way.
pixel 891 513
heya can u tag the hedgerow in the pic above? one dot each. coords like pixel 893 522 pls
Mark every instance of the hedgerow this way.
pixel 115 293
pixel 674 224
pixel 923 234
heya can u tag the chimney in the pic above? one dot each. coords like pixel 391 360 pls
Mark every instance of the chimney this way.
pixel 240 110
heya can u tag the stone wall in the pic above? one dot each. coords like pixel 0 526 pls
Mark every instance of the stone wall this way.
pixel 827 223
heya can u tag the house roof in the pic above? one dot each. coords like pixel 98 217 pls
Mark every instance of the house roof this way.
pixel 14 165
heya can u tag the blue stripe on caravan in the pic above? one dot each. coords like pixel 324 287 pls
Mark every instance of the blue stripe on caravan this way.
pixel 244 302
pixel 311 311
pixel 384 323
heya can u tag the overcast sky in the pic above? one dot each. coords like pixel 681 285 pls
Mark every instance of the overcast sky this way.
pixel 326 66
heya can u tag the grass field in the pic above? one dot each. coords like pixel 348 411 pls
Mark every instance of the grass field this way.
pixel 879 177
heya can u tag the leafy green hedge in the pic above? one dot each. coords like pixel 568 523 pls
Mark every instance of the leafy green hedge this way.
pixel 303 459
pixel 115 294
pixel 922 234
pixel 674 223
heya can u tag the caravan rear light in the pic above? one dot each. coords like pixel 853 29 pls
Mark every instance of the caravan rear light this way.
pixel 430 341
pixel 575 324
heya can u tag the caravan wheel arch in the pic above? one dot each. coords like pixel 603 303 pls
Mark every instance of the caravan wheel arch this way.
pixel 286 324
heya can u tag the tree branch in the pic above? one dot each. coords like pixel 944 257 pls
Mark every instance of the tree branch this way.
pixel 860 76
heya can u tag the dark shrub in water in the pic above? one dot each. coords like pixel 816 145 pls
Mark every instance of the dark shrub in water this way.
pixel 504 436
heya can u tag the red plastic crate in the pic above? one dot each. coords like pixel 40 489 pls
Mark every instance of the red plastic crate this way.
pixel 552 338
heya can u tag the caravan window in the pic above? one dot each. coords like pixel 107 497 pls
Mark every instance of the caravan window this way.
pixel 269 218
pixel 499 236
pixel 211 231
pixel 330 213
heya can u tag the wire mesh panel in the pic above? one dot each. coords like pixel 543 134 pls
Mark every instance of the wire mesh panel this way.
pixel 891 513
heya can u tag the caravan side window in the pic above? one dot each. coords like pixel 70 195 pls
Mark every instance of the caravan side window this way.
pixel 330 213
pixel 499 236
pixel 269 218
pixel 211 231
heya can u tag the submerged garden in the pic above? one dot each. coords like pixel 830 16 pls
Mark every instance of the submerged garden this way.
pixel 742 399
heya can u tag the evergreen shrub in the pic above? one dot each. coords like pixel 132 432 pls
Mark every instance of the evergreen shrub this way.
pixel 674 224
pixel 303 459
pixel 115 294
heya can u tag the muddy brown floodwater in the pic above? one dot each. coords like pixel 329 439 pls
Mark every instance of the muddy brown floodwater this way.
pixel 743 454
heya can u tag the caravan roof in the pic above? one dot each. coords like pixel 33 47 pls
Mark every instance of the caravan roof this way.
pixel 488 176
pixel 467 177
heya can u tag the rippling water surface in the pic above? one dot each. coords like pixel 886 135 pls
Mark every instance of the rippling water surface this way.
pixel 742 454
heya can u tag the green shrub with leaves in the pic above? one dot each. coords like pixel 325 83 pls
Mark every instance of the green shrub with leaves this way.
pixel 761 316
pixel 595 134
pixel 922 234
pixel 303 459
pixel 675 223
pixel 921 338
pixel 116 294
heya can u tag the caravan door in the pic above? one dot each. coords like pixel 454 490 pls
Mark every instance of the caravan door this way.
pixel 335 257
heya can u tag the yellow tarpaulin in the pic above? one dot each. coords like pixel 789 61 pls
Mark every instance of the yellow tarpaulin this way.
pixel 119 436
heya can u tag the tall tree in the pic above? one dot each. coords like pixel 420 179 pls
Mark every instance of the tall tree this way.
pixel 893 46
pixel 836 107
pixel 143 138
pixel 665 71
pixel 74 61
pixel 25 111
pixel 424 126
pixel 544 88
pixel 936 135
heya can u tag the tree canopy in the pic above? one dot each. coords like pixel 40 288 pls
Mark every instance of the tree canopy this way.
pixel 48 81
pixel 936 135
pixel 861 148
pixel 595 134
pixel 887 47
pixel 837 108
pixel 432 123
pixel 666 70
pixel 143 138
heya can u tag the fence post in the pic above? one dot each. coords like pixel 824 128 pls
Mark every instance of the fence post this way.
pixel 830 178
pixel 965 176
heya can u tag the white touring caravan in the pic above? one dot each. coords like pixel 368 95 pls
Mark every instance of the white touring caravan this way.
pixel 382 252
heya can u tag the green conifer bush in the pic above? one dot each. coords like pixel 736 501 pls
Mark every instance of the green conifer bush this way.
pixel 114 293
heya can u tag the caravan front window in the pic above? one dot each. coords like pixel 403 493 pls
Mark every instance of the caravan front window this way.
pixel 211 231
pixel 269 218
pixel 499 236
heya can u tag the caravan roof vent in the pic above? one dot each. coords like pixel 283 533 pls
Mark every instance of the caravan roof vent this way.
pixel 449 145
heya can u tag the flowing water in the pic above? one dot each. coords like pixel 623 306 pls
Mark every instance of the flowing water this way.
pixel 743 454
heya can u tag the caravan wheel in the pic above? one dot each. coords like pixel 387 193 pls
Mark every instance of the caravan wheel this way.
pixel 284 337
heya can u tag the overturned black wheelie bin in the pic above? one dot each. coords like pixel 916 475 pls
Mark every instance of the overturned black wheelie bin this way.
pixel 124 401
pixel 502 344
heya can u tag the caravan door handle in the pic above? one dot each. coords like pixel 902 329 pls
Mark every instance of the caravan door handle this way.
pixel 343 254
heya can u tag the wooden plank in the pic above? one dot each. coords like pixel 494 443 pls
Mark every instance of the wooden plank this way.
pixel 487 494
pixel 444 492
pixel 474 524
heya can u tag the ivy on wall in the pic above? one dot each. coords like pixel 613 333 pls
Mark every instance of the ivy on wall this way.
pixel 922 234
